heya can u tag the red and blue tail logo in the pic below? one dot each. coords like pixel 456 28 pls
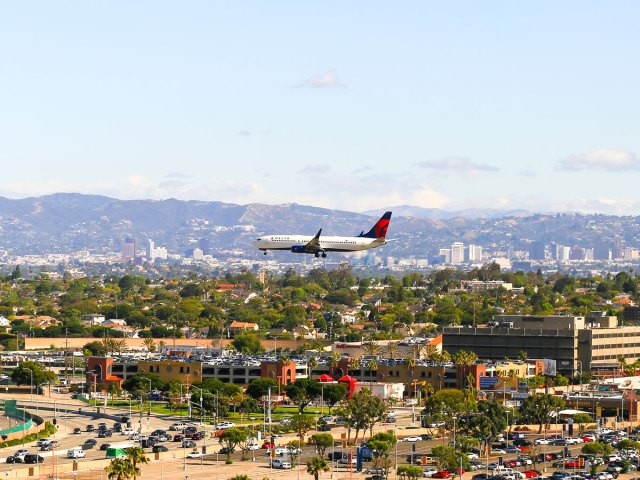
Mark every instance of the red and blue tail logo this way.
pixel 379 230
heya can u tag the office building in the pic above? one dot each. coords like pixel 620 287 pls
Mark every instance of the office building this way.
pixel 475 253
pixel 128 252
pixel 537 251
pixel 457 253
pixel 575 342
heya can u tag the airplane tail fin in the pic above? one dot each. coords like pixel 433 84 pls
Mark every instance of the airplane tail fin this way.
pixel 379 230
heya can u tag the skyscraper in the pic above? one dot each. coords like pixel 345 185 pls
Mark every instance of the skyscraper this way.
pixel 457 253
pixel 475 253
pixel 128 252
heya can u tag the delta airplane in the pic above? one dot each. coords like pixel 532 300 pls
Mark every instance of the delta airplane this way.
pixel 320 246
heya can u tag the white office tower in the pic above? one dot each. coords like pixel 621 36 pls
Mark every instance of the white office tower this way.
pixel 457 253
pixel 198 254
pixel 562 253
pixel 150 250
pixel 475 253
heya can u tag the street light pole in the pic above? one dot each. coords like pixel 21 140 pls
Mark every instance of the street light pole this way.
pixel 30 382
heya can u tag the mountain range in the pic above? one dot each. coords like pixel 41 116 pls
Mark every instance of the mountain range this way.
pixel 67 222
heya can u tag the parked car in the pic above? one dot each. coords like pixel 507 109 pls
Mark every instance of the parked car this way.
pixel 268 445
pixel 347 459
pixel 225 450
pixel 429 472
pixel 159 448
pixel 77 431
pixel 178 438
pixel 177 427
pixel 374 471
pixel 188 444
pixel 279 463
pixel 412 438
pixel 441 474
pixel 90 428
pixel 105 446
pixel 324 427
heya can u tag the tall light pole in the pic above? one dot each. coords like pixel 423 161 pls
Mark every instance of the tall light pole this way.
pixel 454 432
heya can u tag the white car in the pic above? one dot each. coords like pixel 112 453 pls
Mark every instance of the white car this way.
pixel 128 431
pixel 574 441
pixel 413 438
pixel 278 463
pixel 224 425
pixel 195 454
pixel 542 441
pixel 178 426
pixel 253 446
pixel 498 451
pixel 346 460
pixel 428 472
pixel 43 441
pixel 472 456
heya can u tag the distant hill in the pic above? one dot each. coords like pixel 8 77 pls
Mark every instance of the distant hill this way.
pixel 67 222
pixel 436 213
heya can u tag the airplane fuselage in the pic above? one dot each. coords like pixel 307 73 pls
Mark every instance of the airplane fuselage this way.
pixel 327 244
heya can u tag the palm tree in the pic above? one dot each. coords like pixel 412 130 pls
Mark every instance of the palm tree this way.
pixel 333 361
pixel 371 348
pixel 284 361
pixel 150 344
pixel 410 363
pixel 418 349
pixel 354 364
pixel 136 456
pixel 316 466
pixel 311 364
pixel 161 344
pixel 372 365
pixel 392 350
pixel 121 469
pixel 523 355
pixel 429 350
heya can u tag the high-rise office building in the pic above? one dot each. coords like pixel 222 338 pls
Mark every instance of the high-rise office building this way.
pixel 457 253
pixel 537 251
pixel 128 252
pixel 475 253
pixel 445 255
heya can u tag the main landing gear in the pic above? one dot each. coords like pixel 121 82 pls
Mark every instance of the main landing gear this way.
pixel 324 254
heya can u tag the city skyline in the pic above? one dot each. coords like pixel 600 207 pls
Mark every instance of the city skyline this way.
pixel 362 105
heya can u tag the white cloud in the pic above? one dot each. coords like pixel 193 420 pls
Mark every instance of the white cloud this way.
pixel 315 169
pixel 323 80
pixel 608 160
pixel 458 165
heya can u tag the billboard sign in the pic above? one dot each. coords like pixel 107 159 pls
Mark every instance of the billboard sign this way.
pixel 549 367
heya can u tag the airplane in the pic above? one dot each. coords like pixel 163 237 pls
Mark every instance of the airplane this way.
pixel 320 246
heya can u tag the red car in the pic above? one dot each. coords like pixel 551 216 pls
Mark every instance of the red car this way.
pixel 572 464
pixel 442 474
pixel 530 473
pixel 268 445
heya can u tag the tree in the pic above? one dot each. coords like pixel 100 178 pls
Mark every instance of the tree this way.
pixel 138 384
pixel 538 408
pixel 597 448
pixel 150 345
pixel 448 458
pixel 303 391
pixel 487 425
pixel 409 472
pixel 301 424
pixel 392 350
pixel 316 466
pixel 136 456
pixel 295 450
pixel 121 469
pixel 322 441
pixel 371 348
pixel 334 393
pixel 627 444
pixel 381 445
pixel 582 419
pixel 446 404
pixel 231 438
pixel 95 349
pixel 248 343
pixel 362 411
pixel 31 372
pixel 259 387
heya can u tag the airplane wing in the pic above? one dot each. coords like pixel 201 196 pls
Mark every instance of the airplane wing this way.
pixel 313 246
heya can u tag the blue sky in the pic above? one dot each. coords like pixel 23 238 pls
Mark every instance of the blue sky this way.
pixel 352 105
